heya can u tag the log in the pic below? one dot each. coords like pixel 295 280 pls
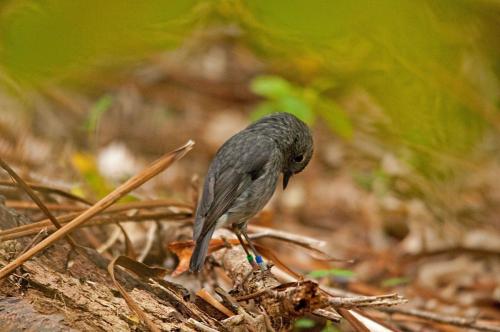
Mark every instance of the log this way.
pixel 82 297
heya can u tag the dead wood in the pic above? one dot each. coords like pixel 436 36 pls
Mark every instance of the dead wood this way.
pixel 282 303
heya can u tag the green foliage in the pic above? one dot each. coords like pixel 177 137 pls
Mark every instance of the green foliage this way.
pixel 342 273
pixel 410 73
pixel 281 96
pixel 304 102
pixel 410 62
pixel 304 323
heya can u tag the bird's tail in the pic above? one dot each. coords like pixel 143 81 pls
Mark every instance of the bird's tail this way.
pixel 200 251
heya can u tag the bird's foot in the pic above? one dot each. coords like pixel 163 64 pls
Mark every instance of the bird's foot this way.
pixel 258 263
pixel 252 262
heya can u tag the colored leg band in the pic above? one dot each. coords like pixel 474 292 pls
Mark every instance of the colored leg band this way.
pixel 259 259
pixel 250 259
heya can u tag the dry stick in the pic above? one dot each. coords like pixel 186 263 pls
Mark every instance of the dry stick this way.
pixel 150 238
pixel 24 205
pixel 42 188
pixel 71 207
pixel 134 182
pixel 367 301
pixel 327 314
pixel 283 235
pixel 207 297
pixel 116 208
pixel 35 199
pixel 37 238
pixel 167 216
pixel 355 323
pixel 300 240
pixel 440 318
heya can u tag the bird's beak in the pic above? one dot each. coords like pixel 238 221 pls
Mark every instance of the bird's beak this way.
pixel 286 177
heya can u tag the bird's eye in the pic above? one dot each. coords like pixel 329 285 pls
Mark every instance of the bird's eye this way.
pixel 298 158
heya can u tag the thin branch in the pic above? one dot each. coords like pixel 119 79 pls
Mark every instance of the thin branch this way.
pixel 123 207
pixel 150 237
pixel 327 314
pixel 260 232
pixel 23 186
pixel 17 232
pixel 367 301
pixel 47 189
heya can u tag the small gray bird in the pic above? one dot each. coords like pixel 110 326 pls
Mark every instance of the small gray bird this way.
pixel 243 176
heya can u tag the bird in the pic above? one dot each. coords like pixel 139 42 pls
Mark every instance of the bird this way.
pixel 243 176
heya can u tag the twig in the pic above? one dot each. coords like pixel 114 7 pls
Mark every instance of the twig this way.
pixel 367 301
pixel 24 205
pixel 116 208
pixel 453 251
pixel 327 314
pixel 259 232
pixel 109 241
pixel 355 323
pixel 35 199
pixel 43 188
pixel 203 294
pixel 300 240
pixel 150 238
pixel 104 203
pixel 35 240
pixel 119 207
pixel 15 233
pixel 443 319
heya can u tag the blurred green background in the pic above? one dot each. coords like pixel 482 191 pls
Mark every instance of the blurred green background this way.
pixel 418 77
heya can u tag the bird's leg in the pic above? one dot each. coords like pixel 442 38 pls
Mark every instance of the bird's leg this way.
pixel 237 231
pixel 258 258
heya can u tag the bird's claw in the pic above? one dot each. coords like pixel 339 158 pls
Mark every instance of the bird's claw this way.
pixel 260 262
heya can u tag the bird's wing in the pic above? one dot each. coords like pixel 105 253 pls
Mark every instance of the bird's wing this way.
pixel 232 178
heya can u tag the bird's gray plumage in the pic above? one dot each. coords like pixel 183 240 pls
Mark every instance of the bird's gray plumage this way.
pixel 244 173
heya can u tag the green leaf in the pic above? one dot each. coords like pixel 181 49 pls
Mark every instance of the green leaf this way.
pixel 297 107
pixel 331 273
pixel 304 323
pixel 96 112
pixel 273 87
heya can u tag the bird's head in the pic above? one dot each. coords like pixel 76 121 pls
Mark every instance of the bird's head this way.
pixel 293 138
pixel 299 153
